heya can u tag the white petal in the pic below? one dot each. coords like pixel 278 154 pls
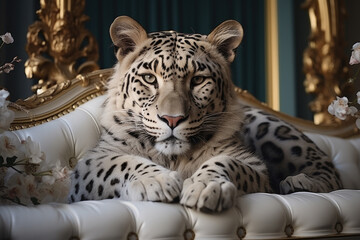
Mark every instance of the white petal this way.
pixel 356 46
pixel 352 110
pixel 7 38
pixel 331 109
pixel 357 123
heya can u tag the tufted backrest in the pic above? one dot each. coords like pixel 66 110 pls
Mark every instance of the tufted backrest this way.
pixel 70 136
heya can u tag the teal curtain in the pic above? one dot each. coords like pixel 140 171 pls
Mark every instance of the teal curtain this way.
pixel 190 16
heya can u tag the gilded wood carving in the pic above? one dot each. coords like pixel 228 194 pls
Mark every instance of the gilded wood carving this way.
pixel 325 64
pixel 59 47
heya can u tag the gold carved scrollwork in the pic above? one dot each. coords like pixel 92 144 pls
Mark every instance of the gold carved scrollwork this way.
pixel 324 61
pixel 59 99
pixel 59 47
pixel 38 99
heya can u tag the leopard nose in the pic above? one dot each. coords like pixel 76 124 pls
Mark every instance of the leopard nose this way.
pixel 172 121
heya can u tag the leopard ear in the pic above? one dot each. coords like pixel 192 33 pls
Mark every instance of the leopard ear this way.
pixel 227 37
pixel 126 33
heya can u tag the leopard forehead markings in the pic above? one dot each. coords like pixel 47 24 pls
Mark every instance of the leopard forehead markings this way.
pixel 174 55
pixel 173 58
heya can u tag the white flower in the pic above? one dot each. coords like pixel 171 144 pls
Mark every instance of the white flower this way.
pixel 32 151
pixel 57 173
pixel 6 115
pixel 355 54
pixel 6 118
pixel 57 192
pixel 340 108
pixel 358 97
pixel 352 110
pixel 9 147
pixel 7 38
pixel 23 187
pixel 3 95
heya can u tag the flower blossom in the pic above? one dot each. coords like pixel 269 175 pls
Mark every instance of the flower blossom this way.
pixel 7 38
pixel 22 187
pixel 340 109
pixel 6 115
pixel 3 96
pixel 6 118
pixel 355 54
pixel 32 151
pixel 57 173
pixel 358 97
pixel 8 146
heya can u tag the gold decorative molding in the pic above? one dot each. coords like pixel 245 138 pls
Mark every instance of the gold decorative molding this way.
pixel 324 61
pixel 59 99
pixel 59 47
pixel 272 55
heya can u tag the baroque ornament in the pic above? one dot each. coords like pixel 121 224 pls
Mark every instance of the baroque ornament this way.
pixel 324 61
pixel 59 47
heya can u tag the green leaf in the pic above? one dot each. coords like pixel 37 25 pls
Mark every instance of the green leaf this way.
pixel 11 160
pixel 35 201
pixel 17 200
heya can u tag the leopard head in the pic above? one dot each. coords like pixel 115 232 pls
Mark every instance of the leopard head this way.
pixel 173 87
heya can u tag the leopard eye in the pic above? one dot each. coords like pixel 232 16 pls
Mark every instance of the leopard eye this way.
pixel 149 78
pixel 197 80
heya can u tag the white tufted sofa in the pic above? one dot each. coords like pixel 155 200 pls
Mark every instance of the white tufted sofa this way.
pixel 256 216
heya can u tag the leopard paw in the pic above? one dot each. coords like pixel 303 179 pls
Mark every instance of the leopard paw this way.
pixel 162 187
pixel 215 195
pixel 299 183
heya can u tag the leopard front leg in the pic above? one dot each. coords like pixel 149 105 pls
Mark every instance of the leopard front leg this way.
pixel 216 184
pixel 126 177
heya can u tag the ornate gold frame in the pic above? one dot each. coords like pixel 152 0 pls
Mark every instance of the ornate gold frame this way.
pixel 59 47
pixel 59 99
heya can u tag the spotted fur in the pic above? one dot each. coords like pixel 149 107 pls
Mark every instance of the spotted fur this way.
pixel 173 129
pixel 294 161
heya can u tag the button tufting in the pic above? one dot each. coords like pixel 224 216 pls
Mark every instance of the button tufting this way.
pixel 338 227
pixel 132 236
pixel 289 230
pixel 189 234
pixel 241 232
pixel 72 162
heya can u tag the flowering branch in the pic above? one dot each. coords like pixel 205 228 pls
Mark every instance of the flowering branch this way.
pixel 25 177
pixel 340 107
pixel 8 67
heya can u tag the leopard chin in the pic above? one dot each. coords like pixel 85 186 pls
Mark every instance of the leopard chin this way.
pixel 172 146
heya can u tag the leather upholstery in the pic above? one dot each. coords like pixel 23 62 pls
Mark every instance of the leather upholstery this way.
pixel 256 216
